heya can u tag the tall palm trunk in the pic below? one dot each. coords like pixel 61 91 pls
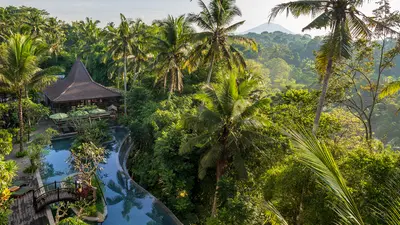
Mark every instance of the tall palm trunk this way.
pixel 211 69
pixel 21 122
pixel 221 164
pixel 172 85
pixel 29 119
pixel 125 83
pixel 323 95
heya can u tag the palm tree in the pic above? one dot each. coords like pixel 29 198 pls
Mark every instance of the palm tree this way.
pixel 55 36
pixel 216 39
pixel 127 193
pixel 172 46
pixel 19 70
pixel 122 44
pixel 345 22
pixel 139 43
pixel 36 22
pixel 89 35
pixel 226 127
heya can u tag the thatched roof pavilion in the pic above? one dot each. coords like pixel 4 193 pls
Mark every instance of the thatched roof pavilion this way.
pixel 78 88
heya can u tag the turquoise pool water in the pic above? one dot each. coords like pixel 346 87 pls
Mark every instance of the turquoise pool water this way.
pixel 127 203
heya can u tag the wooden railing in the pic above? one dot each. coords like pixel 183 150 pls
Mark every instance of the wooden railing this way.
pixel 54 192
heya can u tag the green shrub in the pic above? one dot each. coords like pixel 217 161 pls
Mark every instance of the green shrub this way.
pixel 91 210
pixel 21 154
pixel 31 169
pixel 100 205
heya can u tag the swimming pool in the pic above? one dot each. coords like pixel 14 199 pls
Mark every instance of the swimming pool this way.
pixel 127 202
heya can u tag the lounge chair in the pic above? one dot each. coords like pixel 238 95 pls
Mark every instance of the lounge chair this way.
pixel 21 192
pixel 20 183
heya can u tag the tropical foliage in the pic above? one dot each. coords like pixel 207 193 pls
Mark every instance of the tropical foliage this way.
pixel 222 123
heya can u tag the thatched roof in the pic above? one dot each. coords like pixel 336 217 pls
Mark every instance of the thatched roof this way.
pixel 78 85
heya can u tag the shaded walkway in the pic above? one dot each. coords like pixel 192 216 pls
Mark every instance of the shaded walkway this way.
pixel 23 211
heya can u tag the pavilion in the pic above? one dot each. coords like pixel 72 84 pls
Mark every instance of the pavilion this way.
pixel 78 88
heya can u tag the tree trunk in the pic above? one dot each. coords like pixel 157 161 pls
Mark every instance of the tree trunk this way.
pixel 21 122
pixel 299 217
pixel 171 86
pixel 323 95
pixel 211 70
pixel 221 164
pixel 29 119
pixel 29 129
pixel 125 85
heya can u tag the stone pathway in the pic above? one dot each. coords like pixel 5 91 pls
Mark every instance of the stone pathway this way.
pixel 23 212
pixel 23 163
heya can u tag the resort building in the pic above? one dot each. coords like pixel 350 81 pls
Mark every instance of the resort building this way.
pixel 78 88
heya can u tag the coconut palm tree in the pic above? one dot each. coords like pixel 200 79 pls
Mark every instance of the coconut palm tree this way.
pixel 172 46
pixel 55 37
pixel 345 23
pixel 36 22
pixel 225 128
pixel 127 194
pixel 215 41
pixel 123 43
pixel 139 44
pixel 19 70
pixel 89 35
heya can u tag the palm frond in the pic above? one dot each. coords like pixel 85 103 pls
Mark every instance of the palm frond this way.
pixel 209 159
pixel 376 26
pixel 270 206
pixel 198 141
pixel 388 207
pixel 258 105
pixel 46 76
pixel 247 87
pixel 238 163
pixel 315 155
pixel 245 41
pixel 357 26
pixel 234 27
pixel 322 21
pixel 238 58
pixel 298 8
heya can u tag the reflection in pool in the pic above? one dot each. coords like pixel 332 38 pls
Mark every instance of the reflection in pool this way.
pixel 127 203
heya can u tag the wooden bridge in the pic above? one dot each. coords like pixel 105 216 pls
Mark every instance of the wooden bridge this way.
pixel 55 192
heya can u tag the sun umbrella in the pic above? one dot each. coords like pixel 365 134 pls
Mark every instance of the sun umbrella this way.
pixel 79 113
pixel 97 111
pixel 59 116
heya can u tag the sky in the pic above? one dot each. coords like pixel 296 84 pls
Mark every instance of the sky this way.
pixel 255 12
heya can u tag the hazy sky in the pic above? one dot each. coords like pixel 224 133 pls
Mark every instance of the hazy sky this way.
pixel 255 12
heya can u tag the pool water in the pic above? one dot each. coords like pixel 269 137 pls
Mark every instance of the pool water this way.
pixel 127 203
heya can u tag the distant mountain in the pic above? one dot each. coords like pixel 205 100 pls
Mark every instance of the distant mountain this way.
pixel 269 27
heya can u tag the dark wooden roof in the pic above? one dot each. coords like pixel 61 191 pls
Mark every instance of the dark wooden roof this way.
pixel 78 85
